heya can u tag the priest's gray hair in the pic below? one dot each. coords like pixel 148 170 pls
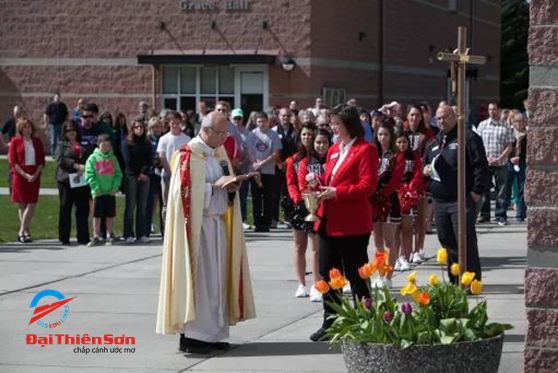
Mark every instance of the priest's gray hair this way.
pixel 208 120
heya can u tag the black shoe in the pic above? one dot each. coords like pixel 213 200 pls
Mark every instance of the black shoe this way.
pixel 261 229
pixel 319 335
pixel 65 242
pixel 483 219
pixel 20 238
pixel 193 346
pixel 220 345
pixel 27 238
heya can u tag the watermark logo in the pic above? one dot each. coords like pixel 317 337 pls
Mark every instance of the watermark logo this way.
pixel 41 311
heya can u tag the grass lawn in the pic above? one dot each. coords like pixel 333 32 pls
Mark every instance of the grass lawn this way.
pixel 45 220
pixel 48 176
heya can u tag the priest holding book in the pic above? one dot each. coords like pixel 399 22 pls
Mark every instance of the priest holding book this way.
pixel 205 279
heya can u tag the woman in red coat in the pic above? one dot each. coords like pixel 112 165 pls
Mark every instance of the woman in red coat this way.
pixel 27 159
pixel 385 202
pixel 306 160
pixel 345 211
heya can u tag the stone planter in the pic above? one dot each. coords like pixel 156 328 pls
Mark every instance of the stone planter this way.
pixel 479 357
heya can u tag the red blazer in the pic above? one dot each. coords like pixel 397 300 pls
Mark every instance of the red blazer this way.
pixel 16 152
pixel 350 213
pixel 292 179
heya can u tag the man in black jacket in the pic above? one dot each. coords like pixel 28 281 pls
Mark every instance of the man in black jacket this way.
pixel 440 161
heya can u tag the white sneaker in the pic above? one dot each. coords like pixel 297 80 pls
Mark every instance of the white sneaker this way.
pixel 152 228
pixel 246 226
pixel 315 295
pixel 377 283
pixel 404 264
pixel 397 265
pixel 301 291
pixel 143 239
pixel 416 259
pixel 422 254
pixel 347 289
pixel 129 241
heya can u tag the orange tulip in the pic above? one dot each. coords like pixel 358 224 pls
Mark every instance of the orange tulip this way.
pixel 366 271
pixel 424 299
pixel 385 269
pixel 337 282
pixel 334 272
pixel 322 286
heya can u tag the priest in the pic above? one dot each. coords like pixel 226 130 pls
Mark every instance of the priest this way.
pixel 205 279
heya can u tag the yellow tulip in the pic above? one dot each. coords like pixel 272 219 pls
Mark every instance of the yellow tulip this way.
pixel 337 282
pixel 455 269
pixel 476 287
pixel 412 277
pixel 467 277
pixel 409 289
pixel 442 256
pixel 433 280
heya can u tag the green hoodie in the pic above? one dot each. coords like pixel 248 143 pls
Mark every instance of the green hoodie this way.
pixel 102 173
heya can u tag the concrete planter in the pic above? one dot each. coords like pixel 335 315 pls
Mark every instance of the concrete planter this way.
pixel 479 357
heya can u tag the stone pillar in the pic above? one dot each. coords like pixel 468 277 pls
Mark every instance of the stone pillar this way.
pixel 541 277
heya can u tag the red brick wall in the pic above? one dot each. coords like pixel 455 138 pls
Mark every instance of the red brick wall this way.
pixel 541 277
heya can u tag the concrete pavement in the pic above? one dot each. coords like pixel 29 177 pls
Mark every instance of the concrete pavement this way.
pixel 116 289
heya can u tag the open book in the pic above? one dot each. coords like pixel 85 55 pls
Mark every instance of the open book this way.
pixel 241 178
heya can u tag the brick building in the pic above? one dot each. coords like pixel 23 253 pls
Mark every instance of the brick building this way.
pixel 541 277
pixel 174 53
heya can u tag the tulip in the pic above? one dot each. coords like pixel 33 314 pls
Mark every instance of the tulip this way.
pixel 433 279
pixel 379 258
pixel 424 299
pixel 406 308
pixel 412 277
pixel 388 316
pixel 442 256
pixel 385 269
pixel 367 303
pixel 476 287
pixel 409 289
pixel 455 269
pixel 334 272
pixel 322 286
pixel 467 277
pixel 366 271
pixel 337 282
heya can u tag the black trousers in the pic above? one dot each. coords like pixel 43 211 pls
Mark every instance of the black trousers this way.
pixel 347 254
pixel 262 200
pixel 279 189
pixel 445 214
pixel 78 197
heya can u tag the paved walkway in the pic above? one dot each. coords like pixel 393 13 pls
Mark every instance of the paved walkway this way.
pixel 117 286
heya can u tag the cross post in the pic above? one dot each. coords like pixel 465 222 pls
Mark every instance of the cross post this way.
pixel 459 60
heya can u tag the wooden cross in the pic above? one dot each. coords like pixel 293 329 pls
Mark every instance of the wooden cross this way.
pixel 459 60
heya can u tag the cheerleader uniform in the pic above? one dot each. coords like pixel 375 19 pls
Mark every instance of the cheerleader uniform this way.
pixel 385 201
pixel 293 204
pixel 411 189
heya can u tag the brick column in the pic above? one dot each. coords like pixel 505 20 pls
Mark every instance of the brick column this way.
pixel 541 277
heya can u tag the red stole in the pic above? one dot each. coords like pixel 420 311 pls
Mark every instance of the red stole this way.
pixel 185 185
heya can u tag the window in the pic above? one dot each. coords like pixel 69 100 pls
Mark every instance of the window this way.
pixel 452 5
pixel 333 96
pixel 180 90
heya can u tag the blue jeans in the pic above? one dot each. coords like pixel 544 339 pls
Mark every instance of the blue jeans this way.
pixel 54 135
pixel 500 175
pixel 136 199
pixel 154 192
pixel 521 209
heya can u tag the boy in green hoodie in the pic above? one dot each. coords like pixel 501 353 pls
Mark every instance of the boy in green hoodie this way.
pixel 103 174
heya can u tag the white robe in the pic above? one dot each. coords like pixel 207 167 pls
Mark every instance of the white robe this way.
pixel 211 323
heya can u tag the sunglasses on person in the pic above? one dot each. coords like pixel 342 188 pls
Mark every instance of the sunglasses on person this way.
pixel 237 118
pixel 87 116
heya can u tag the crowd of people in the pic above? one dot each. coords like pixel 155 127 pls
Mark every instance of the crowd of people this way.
pixel 99 154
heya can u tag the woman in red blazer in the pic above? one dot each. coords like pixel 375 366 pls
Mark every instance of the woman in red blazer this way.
pixel 27 159
pixel 345 211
